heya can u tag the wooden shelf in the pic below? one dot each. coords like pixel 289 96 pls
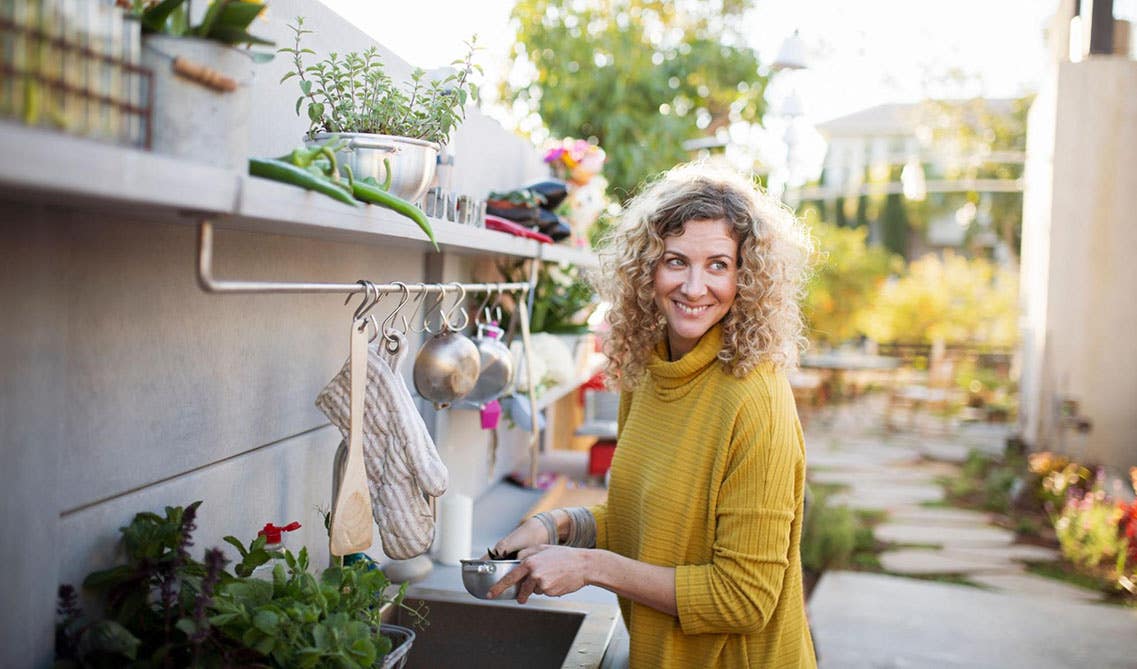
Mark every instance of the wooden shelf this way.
pixel 56 169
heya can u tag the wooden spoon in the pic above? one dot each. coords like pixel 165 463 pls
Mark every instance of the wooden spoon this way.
pixel 351 512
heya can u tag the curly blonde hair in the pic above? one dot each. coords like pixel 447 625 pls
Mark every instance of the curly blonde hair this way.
pixel 763 325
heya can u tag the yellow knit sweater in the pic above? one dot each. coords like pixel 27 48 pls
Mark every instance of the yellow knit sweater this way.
pixel 708 478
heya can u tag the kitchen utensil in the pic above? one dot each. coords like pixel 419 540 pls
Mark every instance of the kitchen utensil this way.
pixel 351 513
pixel 496 369
pixel 480 575
pixel 412 161
pixel 446 367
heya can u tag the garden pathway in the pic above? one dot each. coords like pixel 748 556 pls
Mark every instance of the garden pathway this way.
pixel 1009 618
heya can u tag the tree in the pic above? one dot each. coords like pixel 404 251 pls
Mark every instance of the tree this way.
pixel 639 77
pixel 848 275
pixel 956 300
pixel 977 128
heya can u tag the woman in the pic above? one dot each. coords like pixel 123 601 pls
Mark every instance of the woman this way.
pixel 700 535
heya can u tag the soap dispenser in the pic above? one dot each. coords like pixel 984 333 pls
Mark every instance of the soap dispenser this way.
pixel 274 543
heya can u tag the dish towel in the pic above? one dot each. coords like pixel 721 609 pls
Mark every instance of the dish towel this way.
pixel 401 460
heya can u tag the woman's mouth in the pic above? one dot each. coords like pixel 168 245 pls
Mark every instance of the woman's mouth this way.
pixel 689 310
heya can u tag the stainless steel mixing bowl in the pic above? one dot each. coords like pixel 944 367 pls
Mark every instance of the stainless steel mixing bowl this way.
pixel 412 161
pixel 480 575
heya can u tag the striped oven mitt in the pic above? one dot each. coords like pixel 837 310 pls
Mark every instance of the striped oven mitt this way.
pixel 400 457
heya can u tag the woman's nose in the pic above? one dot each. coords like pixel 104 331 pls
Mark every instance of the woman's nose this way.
pixel 693 285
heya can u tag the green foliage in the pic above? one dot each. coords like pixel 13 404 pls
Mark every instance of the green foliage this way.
pixel 1087 530
pixel 224 21
pixel 957 300
pixel 895 225
pixel 976 128
pixel 639 77
pixel 164 608
pixel 353 93
pixel 847 277
pixel 563 299
pixel 829 535
pixel 986 481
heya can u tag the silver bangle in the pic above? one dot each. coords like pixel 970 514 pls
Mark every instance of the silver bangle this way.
pixel 582 528
pixel 550 524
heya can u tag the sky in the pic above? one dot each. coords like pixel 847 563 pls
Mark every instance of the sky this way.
pixel 860 53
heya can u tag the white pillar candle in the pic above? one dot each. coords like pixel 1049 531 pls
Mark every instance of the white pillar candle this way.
pixel 455 528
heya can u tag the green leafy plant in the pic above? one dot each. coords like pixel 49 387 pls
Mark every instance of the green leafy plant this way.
pixel 224 21
pixel 563 299
pixel 353 93
pixel 1087 528
pixel 829 535
pixel 849 274
pixel 164 608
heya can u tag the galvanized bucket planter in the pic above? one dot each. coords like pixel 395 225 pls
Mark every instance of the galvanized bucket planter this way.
pixel 193 118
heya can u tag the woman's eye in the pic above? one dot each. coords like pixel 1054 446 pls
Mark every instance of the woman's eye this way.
pixel 720 266
pixel 674 262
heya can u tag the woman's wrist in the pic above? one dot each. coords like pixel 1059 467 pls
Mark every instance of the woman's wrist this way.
pixel 550 524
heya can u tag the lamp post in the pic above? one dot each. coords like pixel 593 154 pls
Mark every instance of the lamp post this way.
pixel 791 59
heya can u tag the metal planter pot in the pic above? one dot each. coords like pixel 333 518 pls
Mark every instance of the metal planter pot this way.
pixel 412 161
pixel 190 120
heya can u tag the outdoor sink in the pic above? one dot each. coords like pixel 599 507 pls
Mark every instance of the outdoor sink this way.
pixel 467 632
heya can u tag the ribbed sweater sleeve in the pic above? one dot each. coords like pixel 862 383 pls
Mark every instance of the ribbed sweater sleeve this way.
pixel 600 511
pixel 738 591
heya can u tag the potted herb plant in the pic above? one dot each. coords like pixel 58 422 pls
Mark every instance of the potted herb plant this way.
pixel 393 131
pixel 165 608
pixel 202 81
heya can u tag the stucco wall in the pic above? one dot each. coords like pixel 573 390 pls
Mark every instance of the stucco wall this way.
pixel 1083 340
pixel 126 388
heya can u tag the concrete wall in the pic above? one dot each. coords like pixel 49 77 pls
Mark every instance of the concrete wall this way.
pixel 125 388
pixel 1082 274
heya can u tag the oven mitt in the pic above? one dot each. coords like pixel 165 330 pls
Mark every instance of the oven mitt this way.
pixel 399 456
pixel 421 455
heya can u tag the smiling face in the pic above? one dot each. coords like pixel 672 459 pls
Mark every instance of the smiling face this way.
pixel 696 281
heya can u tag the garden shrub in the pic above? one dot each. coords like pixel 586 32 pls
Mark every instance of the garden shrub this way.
pixel 829 535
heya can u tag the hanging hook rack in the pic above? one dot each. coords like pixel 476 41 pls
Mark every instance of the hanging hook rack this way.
pixel 210 284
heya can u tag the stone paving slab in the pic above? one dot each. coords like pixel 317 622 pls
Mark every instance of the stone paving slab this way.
pixel 864 458
pixel 938 516
pixel 922 561
pixel 1023 552
pixel 947 452
pixel 881 475
pixel 869 621
pixel 883 498
pixel 1031 585
pixel 939 535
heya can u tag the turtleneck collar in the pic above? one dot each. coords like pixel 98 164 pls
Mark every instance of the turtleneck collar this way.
pixel 672 376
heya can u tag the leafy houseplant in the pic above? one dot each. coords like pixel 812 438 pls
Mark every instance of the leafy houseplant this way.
pixel 225 21
pixel 164 608
pixel 562 302
pixel 394 131
pixel 353 93
pixel 201 85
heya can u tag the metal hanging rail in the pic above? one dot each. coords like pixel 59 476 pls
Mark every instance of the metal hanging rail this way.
pixel 211 285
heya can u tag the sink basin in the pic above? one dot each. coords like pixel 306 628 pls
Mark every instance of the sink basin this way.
pixel 468 632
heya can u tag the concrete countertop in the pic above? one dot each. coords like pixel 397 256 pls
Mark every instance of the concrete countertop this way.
pixel 496 513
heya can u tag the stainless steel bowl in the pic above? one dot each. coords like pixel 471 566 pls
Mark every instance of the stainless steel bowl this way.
pixel 480 575
pixel 412 160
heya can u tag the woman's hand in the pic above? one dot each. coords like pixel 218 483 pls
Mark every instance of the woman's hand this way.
pixel 530 533
pixel 546 570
